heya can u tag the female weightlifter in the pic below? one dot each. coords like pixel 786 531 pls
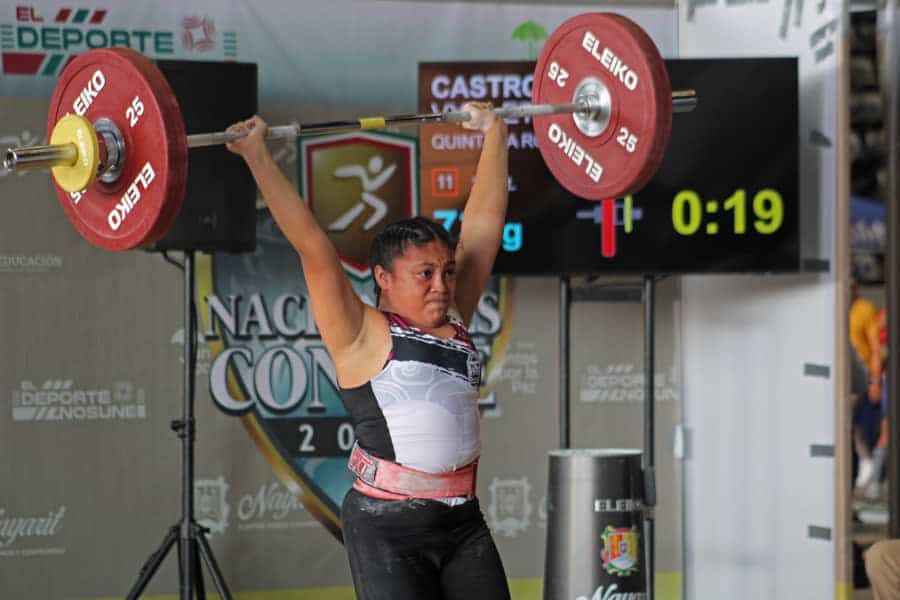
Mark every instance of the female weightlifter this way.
pixel 409 377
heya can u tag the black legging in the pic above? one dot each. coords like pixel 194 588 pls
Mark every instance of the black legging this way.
pixel 420 550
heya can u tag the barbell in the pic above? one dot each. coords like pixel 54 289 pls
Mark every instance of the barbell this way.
pixel 118 150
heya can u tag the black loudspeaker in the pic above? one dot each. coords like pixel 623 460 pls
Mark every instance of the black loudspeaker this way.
pixel 219 210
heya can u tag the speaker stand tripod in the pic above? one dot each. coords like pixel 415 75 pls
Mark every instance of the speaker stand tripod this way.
pixel 190 536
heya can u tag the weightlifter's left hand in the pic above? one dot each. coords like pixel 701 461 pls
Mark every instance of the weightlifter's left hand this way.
pixel 482 116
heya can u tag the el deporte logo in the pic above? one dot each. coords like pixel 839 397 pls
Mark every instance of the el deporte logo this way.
pixel 41 44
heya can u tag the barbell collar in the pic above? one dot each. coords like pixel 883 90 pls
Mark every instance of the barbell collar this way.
pixel 112 150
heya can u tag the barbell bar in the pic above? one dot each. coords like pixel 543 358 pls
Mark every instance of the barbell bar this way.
pixel 54 155
pixel 118 149
pixel 682 101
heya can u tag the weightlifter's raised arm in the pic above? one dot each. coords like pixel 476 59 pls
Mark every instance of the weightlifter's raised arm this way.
pixel 485 212
pixel 338 311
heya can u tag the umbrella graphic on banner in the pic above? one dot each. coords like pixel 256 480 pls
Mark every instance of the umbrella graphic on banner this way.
pixel 532 33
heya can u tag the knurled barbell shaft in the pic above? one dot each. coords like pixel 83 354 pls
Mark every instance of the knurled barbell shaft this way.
pixel 42 157
pixel 682 101
pixel 294 130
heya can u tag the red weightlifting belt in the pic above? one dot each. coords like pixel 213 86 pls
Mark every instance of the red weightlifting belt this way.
pixel 390 481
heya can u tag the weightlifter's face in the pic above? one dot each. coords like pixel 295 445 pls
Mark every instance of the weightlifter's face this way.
pixel 421 283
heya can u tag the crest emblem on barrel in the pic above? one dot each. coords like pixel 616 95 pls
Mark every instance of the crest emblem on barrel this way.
pixel 620 550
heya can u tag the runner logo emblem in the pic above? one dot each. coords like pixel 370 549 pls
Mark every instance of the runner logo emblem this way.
pixel 356 184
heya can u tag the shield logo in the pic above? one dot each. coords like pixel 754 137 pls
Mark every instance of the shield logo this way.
pixel 210 503
pixel 510 508
pixel 620 550
pixel 357 183
pixel 268 365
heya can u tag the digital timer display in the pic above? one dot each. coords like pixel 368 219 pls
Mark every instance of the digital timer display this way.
pixel 689 212
pixel 725 198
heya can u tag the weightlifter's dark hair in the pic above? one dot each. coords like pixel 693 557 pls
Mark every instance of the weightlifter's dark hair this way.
pixel 391 243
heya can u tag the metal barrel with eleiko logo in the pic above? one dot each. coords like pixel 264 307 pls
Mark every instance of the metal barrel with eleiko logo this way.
pixel 595 516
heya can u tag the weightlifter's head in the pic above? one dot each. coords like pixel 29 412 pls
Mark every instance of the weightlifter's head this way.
pixel 414 270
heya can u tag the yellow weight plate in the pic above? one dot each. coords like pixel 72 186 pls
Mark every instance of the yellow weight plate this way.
pixel 76 130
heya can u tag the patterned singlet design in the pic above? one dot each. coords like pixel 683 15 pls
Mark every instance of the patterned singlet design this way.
pixel 421 410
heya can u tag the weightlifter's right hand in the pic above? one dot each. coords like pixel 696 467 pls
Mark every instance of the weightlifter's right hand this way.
pixel 252 147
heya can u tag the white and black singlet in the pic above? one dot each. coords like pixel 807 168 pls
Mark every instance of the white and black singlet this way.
pixel 421 410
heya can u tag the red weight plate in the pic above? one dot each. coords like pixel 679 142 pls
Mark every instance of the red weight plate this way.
pixel 617 52
pixel 125 87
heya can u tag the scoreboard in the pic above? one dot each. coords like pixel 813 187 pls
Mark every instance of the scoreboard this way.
pixel 725 198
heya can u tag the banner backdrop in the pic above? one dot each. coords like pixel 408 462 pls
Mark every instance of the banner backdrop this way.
pixel 91 364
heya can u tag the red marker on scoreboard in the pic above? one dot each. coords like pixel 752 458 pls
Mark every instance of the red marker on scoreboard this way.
pixel 608 228
pixel 604 213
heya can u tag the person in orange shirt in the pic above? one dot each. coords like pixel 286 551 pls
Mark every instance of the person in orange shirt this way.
pixel 865 325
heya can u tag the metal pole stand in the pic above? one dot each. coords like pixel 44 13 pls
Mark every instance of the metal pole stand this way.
pixel 631 293
pixel 648 455
pixel 191 537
